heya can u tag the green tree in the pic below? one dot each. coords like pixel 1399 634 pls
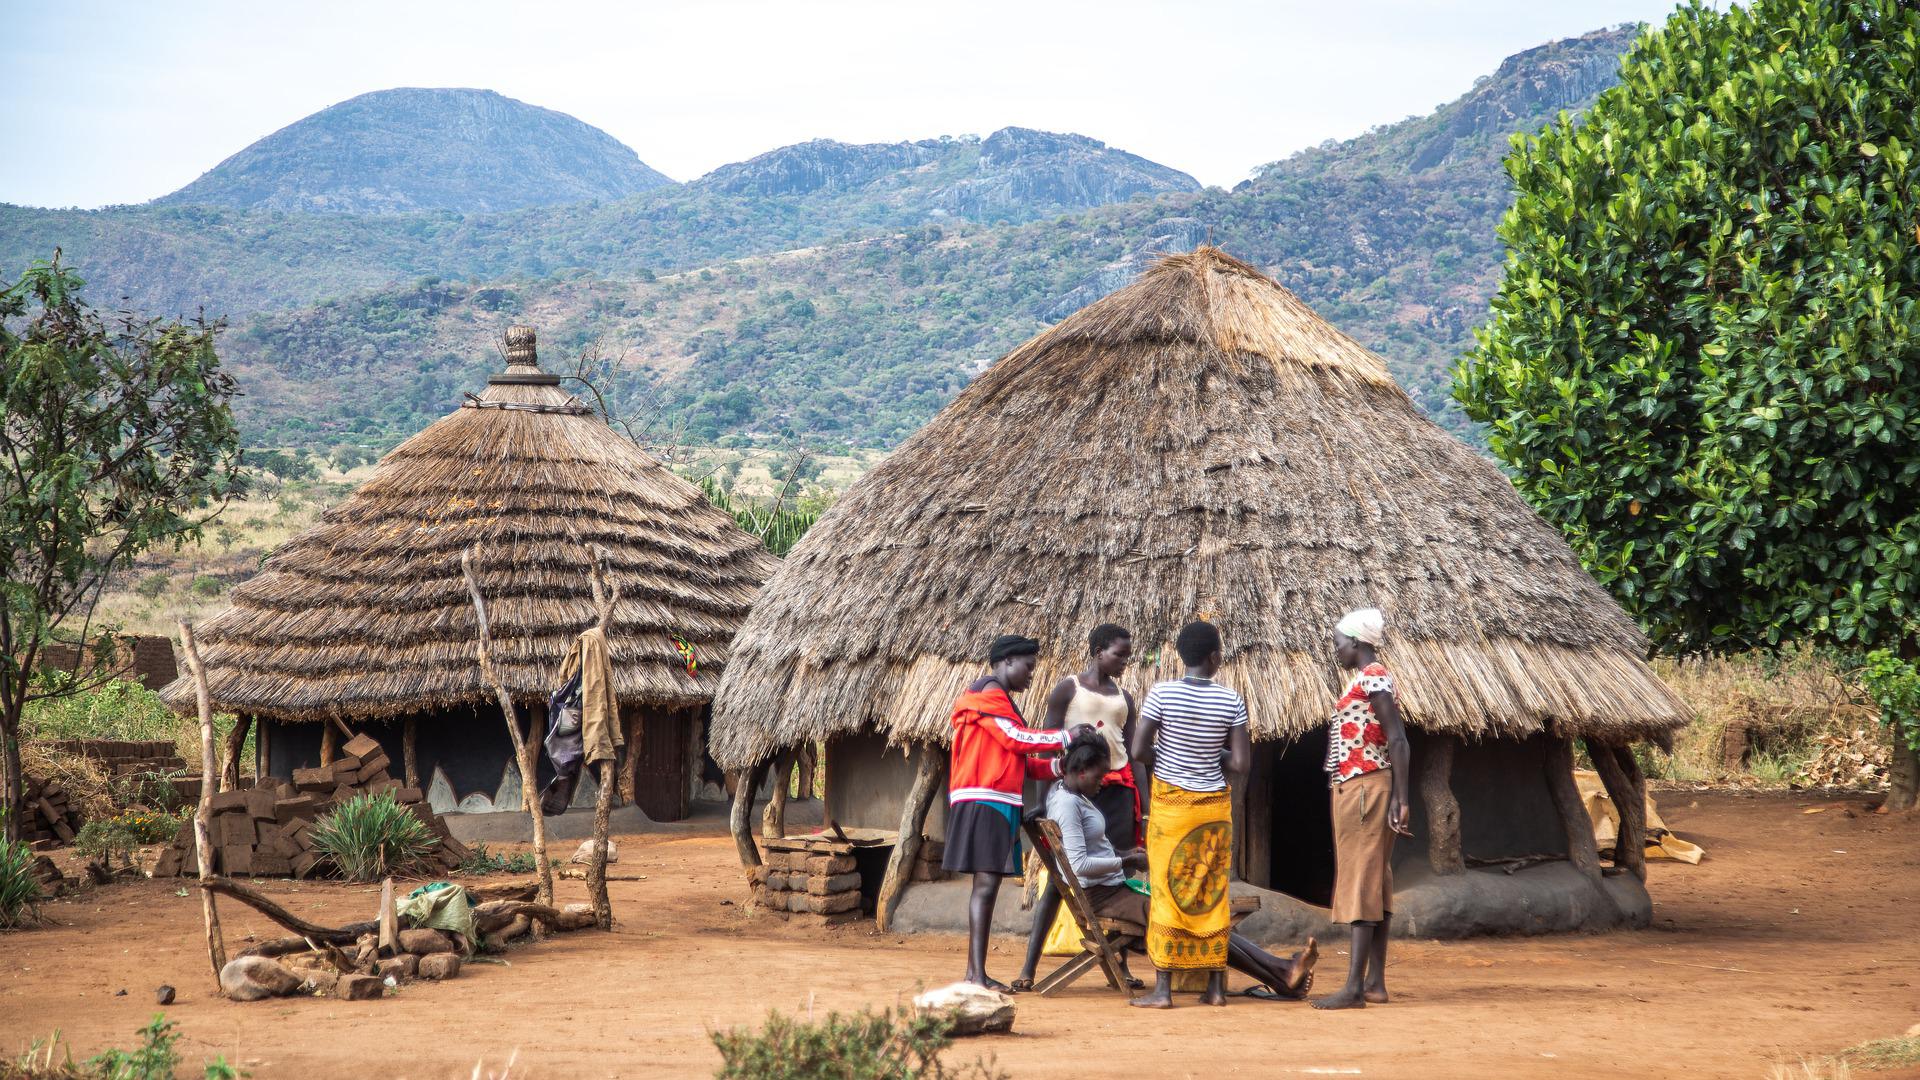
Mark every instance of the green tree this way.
pixel 1702 363
pixel 117 438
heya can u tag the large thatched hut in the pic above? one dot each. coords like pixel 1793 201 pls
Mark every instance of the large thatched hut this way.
pixel 364 622
pixel 1201 444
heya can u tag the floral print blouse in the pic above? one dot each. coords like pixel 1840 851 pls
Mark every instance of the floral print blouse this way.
pixel 1356 743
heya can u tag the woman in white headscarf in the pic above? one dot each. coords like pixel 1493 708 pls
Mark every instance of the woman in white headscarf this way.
pixel 1368 766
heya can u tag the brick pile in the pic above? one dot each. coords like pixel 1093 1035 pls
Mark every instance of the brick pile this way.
pixel 811 879
pixel 155 763
pixel 51 818
pixel 266 831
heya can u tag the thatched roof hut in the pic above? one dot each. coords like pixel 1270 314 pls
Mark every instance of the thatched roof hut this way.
pixel 367 616
pixel 1197 444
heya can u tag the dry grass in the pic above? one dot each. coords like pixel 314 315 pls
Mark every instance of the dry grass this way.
pixel 1805 724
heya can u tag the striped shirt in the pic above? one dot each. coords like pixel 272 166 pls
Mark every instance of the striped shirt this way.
pixel 1194 717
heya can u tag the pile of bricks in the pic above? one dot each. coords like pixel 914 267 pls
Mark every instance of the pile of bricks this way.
pixel 266 831
pixel 926 863
pixel 50 818
pixel 813 879
pixel 156 764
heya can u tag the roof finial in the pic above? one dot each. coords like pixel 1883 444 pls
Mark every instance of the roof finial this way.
pixel 520 348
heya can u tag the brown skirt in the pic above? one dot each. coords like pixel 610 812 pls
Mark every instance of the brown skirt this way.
pixel 1362 848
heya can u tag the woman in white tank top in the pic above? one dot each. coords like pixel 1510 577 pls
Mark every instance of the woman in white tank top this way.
pixel 1094 698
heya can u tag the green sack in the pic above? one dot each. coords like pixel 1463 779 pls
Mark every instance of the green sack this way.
pixel 442 906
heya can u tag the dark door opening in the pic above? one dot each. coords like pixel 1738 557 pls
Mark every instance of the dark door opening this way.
pixel 1299 819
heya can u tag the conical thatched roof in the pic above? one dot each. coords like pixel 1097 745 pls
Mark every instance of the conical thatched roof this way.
pixel 1197 444
pixel 367 614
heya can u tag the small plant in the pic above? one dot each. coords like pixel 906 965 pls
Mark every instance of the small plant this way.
pixel 208 585
pixel 369 837
pixel 868 1045
pixel 155 1059
pixel 153 585
pixel 106 838
pixel 19 889
pixel 482 861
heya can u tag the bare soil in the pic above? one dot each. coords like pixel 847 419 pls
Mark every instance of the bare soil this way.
pixel 1797 937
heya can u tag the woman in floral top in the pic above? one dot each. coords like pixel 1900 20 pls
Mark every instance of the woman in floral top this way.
pixel 1367 767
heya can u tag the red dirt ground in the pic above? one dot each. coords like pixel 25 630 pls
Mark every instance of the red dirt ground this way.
pixel 1799 936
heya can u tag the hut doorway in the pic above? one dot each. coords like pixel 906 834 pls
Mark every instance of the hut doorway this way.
pixel 1289 819
pixel 660 783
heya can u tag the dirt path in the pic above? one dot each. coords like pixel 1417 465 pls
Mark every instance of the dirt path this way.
pixel 1799 935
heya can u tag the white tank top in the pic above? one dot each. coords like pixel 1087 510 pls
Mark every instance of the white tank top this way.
pixel 1106 714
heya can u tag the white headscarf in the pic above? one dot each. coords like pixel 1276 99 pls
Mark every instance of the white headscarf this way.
pixel 1367 624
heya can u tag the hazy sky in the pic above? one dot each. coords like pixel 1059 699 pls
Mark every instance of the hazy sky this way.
pixel 116 103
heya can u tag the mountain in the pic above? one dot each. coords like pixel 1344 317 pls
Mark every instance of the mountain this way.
pixel 409 149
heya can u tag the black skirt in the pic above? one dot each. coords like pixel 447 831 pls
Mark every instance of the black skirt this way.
pixel 982 837
pixel 1115 803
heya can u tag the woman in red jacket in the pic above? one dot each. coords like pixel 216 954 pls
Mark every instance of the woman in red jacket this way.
pixel 993 752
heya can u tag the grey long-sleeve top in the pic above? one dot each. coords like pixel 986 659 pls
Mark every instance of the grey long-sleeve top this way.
pixel 1083 832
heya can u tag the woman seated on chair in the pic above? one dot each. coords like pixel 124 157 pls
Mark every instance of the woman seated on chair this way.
pixel 1102 872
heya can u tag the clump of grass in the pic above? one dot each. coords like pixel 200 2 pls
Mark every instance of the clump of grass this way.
pixel 1805 721
pixel 482 861
pixel 154 1059
pixel 1899 1053
pixel 369 837
pixel 873 1046
pixel 19 889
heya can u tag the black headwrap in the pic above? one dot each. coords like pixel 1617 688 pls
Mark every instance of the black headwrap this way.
pixel 1007 645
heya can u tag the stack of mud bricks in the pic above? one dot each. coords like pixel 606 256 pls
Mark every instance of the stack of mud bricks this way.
pixel 926 862
pixel 154 765
pixel 266 831
pixel 50 820
pixel 812 881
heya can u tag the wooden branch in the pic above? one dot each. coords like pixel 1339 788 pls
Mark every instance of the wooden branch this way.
pixel 254 899
pixel 597 865
pixel 1574 821
pixel 505 890
pixel 740 821
pixel 529 798
pixel 236 742
pixel 203 817
pixel 913 818
pixel 490 917
pixel 327 742
pixel 1434 774
pixel 408 753
pixel 300 943
pixel 773 822
pixel 1629 805
pixel 389 920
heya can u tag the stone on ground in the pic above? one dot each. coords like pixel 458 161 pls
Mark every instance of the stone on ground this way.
pixel 437 966
pixel 250 978
pixel 585 853
pixel 975 1009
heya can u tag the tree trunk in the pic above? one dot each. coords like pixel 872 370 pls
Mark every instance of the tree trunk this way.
pixel 327 740
pixel 630 775
pixel 409 753
pixel 15 781
pixel 773 823
pixel 597 866
pixel 522 749
pixel 203 817
pixel 236 742
pixel 1903 773
pixel 1434 774
pixel 1574 822
pixel 741 820
pixel 913 818
pixel 809 755
pixel 1629 804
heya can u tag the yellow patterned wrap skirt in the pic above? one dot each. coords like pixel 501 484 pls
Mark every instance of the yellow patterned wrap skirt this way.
pixel 1190 858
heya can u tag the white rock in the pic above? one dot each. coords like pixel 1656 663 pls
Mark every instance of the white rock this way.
pixel 585 854
pixel 975 1009
pixel 250 978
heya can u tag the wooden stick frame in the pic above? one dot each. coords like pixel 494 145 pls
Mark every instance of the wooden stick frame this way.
pixel 605 598
pixel 203 816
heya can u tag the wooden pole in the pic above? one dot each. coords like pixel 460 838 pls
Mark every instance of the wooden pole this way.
pixel 630 778
pixel 409 753
pixel 236 742
pixel 773 821
pixel 1574 821
pixel 740 821
pixel 1629 805
pixel 529 798
pixel 913 818
pixel 1434 773
pixel 606 596
pixel 327 740
pixel 203 817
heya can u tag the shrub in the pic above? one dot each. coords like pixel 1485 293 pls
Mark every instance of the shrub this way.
pixel 866 1045
pixel 155 1059
pixel 482 861
pixel 103 838
pixel 208 585
pixel 153 585
pixel 19 889
pixel 369 837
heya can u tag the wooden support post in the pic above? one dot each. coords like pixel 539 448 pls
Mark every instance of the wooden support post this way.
pixel 409 753
pixel 1433 770
pixel 203 817
pixel 327 741
pixel 1574 821
pixel 1629 805
pixel 606 596
pixel 808 783
pixel 236 742
pixel 773 822
pixel 630 776
pixel 741 819
pixel 913 818
pixel 529 796
pixel 389 920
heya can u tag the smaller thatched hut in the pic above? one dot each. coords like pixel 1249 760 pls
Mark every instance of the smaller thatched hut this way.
pixel 365 622
pixel 1201 444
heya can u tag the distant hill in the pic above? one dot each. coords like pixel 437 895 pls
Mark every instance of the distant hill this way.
pixel 405 150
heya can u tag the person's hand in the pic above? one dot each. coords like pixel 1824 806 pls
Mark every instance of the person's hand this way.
pixel 1397 816
pixel 1135 860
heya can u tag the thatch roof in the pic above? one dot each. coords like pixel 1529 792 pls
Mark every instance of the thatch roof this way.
pixel 1197 444
pixel 367 615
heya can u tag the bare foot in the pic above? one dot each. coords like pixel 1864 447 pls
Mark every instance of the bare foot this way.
pixel 1159 999
pixel 1213 996
pixel 1341 999
pixel 995 985
pixel 1375 995
pixel 1303 964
